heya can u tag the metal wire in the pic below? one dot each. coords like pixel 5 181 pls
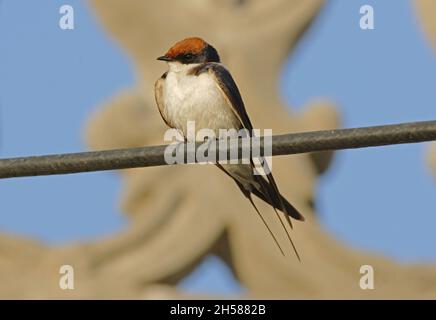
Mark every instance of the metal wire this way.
pixel 287 144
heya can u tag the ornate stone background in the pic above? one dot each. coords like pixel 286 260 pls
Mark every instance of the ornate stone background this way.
pixel 427 11
pixel 175 219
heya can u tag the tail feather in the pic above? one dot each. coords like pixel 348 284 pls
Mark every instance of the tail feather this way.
pixel 266 188
pixel 266 225
pixel 267 191
pixel 287 208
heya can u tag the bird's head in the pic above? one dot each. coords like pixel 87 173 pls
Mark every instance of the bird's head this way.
pixel 190 51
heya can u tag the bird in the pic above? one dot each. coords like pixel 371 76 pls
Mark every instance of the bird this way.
pixel 198 87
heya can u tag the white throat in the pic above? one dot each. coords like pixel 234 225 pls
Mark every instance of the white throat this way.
pixel 177 67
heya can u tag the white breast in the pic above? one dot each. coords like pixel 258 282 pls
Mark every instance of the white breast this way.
pixel 196 98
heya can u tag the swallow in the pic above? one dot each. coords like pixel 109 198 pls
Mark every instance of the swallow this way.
pixel 198 87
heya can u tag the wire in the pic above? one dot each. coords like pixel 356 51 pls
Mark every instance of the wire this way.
pixel 286 144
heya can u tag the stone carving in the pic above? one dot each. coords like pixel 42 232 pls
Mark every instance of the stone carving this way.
pixel 427 12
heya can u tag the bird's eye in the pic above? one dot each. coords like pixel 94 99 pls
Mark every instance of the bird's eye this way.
pixel 188 56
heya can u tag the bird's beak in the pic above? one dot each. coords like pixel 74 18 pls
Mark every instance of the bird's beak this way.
pixel 165 58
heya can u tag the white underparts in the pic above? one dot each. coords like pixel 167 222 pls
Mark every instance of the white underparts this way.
pixel 196 98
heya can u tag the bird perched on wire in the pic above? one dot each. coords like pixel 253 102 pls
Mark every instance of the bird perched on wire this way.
pixel 197 87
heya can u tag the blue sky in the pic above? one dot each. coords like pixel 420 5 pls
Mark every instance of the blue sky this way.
pixel 51 80
pixel 380 199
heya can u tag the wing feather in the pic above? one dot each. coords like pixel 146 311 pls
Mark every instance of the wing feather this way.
pixel 232 94
pixel 159 87
pixel 230 90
